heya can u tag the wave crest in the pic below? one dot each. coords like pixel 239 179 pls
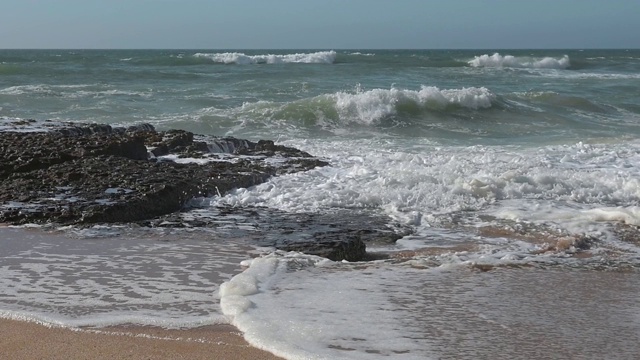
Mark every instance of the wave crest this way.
pixel 499 61
pixel 373 105
pixel 369 108
pixel 321 57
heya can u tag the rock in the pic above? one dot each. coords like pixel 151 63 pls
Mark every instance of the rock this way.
pixel 340 235
pixel 334 246
pixel 82 174
pixel 88 173
pixel 25 152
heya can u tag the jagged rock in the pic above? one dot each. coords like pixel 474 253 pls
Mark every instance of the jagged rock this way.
pixel 24 152
pixel 87 173
pixel 81 174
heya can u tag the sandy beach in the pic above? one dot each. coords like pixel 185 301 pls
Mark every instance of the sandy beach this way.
pixel 24 340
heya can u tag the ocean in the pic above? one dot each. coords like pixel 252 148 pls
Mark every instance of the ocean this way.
pixel 518 172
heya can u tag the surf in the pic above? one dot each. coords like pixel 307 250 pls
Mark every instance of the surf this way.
pixel 320 57
pixel 509 61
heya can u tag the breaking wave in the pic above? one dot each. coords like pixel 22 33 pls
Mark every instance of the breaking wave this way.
pixel 376 104
pixel 500 61
pixel 321 57
pixel 370 108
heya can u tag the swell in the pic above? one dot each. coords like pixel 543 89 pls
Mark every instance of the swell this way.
pixel 509 61
pixel 75 91
pixel 562 101
pixel 79 60
pixel 320 57
pixel 373 107
pixel 445 115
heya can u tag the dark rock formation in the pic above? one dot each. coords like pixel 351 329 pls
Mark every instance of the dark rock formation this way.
pixel 337 246
pixel 77 174
pixel 81 174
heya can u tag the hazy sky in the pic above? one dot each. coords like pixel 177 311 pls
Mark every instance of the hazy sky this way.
pixel 320 24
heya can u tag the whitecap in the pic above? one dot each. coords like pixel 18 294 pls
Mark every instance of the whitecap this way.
pixel 499 61
pixel 321 57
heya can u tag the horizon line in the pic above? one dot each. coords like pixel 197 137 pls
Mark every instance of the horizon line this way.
pixel 326 49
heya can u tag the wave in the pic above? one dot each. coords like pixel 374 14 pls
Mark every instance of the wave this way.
pixel 321 57
pixel 70 91
pixel 358 53
pixel 369 108
pixel 40 89
pixel 498 61
pixel 598 76
pixel 568 102
pixel 374 105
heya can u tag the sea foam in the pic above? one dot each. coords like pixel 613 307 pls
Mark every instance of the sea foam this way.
pixel 500 61
pixel 130 280
pixel 321 57
pixel 286 303
pixel 417 186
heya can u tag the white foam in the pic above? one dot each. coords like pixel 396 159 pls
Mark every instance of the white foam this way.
pixel 107 281
pixel 358 53
pixel 302 307
pixel 589 219
pixel 286 303
pixel 589 75
pixel 200 161
pixel 72 91
pixel 499 61
pixel 108 93
pixel 417 184
pixel 321 57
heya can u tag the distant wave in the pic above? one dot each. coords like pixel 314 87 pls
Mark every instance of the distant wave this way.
pixel 40 89
pixel 498 61
pixel 586 75
pixel 358 53
pixel 321 57
pixel 70 91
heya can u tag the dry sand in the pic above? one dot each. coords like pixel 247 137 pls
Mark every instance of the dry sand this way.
pixel 22 340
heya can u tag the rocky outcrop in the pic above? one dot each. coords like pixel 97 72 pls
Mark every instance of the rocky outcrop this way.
pixel 82 174
pixel 78 174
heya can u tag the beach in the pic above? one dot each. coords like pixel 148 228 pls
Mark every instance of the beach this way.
pixel 504 313
pixel 29 341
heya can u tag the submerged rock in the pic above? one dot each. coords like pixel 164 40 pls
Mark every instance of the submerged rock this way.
pixel 339 235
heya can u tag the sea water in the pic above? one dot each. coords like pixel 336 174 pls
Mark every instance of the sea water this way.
pixel 497 159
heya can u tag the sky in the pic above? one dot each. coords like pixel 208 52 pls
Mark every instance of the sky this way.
pixel 319 24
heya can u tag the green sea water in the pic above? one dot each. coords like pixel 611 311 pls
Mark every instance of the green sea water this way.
pixel 463 97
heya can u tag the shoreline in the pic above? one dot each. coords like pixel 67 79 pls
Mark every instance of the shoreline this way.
pixel 28 340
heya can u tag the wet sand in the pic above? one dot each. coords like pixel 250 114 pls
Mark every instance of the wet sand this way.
pixel 23 340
